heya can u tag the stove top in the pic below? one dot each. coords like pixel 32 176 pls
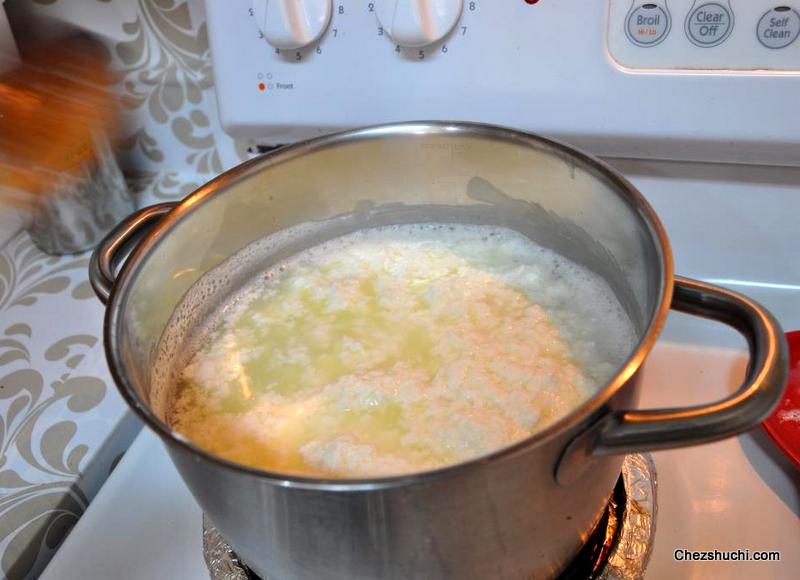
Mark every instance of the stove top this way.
pixel 735 494
pixel 730 224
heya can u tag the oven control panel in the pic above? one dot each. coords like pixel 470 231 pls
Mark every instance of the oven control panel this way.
pixel 705 35
pixel 712 80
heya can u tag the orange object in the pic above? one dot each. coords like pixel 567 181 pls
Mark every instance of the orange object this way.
pixel 51 107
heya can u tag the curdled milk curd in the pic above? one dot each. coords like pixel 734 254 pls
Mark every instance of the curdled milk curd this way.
pixel 399 349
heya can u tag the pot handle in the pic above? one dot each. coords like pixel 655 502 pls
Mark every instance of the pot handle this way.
pixel 620 432
pixel 119 242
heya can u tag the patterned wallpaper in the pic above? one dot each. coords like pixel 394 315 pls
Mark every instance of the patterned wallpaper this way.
pixel 171 141
pixel 62 424
pixel 55 406
pixel 174 142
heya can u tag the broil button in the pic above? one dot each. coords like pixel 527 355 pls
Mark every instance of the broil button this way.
pixel 709 24
pixel 647 24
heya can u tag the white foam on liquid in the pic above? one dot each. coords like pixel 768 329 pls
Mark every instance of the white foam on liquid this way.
pixel 399 349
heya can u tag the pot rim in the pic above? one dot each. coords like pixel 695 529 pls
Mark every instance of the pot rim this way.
pixel 626 191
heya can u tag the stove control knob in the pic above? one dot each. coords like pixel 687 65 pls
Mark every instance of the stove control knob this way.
pixel 417 23
pixel 291 24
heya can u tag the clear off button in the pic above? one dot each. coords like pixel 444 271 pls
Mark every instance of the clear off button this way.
pixel 709 24
pixel 647 24
pixel 779 27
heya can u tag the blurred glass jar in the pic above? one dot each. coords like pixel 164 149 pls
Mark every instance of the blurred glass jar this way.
pixel 56 164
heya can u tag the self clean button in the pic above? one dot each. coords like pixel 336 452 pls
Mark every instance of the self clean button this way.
pixel 709 24
pixel 647 24
pixel 779 27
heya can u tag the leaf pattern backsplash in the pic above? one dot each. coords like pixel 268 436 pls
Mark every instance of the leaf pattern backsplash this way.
pixel 58 405
pixel 25 276
pixel 45 402
pixel 166 80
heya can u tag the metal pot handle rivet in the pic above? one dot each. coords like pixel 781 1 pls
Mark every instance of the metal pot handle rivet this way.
pixel 118 243
pixel 621 432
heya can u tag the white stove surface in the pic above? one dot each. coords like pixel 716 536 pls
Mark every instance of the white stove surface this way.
pixel 737 493
pixel 730 224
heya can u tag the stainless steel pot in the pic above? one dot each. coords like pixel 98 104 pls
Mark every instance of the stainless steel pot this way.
pixel 521 512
